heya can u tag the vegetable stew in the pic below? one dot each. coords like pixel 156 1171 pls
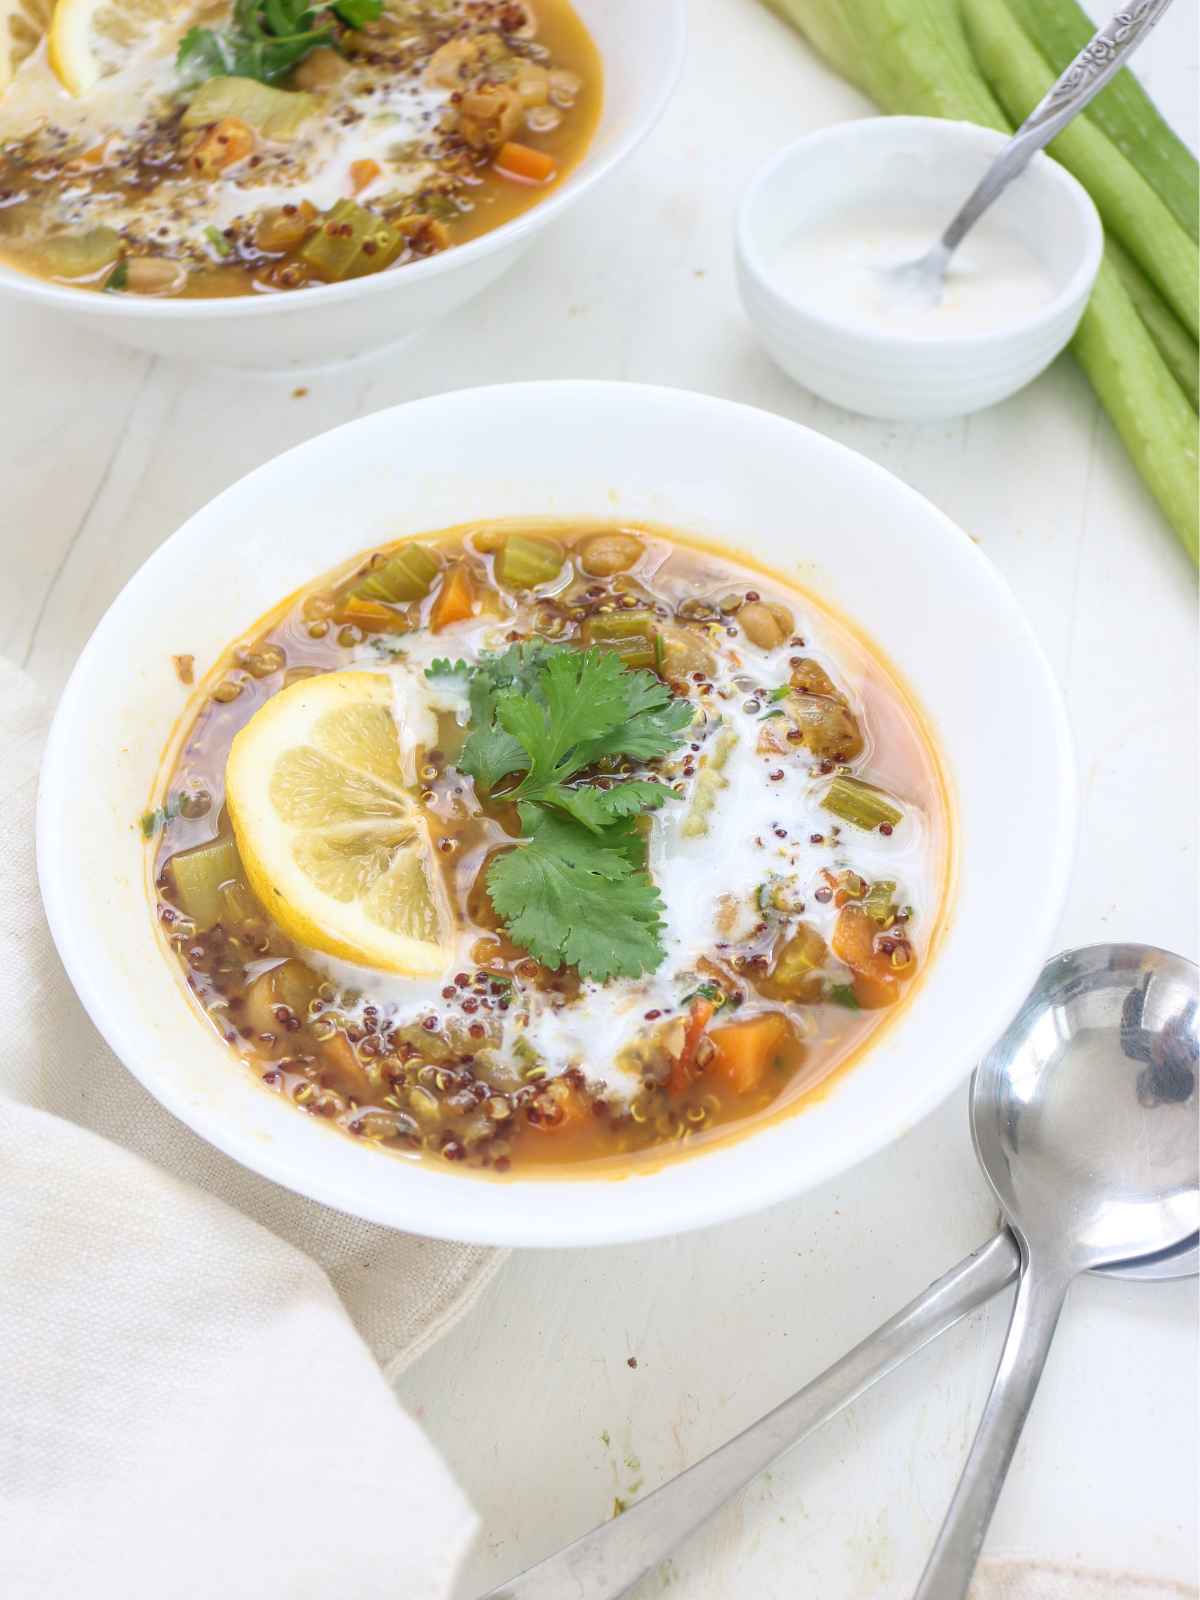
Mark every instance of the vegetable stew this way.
pixel 540 846
pixel 239 157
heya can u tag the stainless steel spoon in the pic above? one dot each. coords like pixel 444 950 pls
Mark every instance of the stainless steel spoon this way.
pixel 1098 1008
pixel 1117 1179
pixel 1107 52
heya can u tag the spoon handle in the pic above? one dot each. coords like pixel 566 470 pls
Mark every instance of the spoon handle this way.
pixel 1036 1310
pixel 1091 69
pixel 604 1563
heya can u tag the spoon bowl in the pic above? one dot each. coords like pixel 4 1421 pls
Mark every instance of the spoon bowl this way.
pixel 1084 1111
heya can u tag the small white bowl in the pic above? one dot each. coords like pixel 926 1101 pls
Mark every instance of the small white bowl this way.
pixel 641 48
pixel 934 164
pixel 818 513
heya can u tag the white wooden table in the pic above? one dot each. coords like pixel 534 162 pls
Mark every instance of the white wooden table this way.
pixel 536 1399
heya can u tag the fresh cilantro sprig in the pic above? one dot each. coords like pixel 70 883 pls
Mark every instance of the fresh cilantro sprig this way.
pixel 576 891
pixel 266 38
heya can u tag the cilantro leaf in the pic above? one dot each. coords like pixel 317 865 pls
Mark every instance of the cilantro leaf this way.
pixel 265 39
pixel 354 13
pixel 569 898
pixel 598 809
pixel 576 889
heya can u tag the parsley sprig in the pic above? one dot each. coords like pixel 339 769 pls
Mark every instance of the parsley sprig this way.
pixel 577 890
pixel 267 38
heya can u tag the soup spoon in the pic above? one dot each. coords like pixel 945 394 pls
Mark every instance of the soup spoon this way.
pixel 1104 55
pixel 1087 1107
pixel 1117 1180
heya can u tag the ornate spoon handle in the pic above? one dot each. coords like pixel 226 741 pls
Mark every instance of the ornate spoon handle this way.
pixel 1091 69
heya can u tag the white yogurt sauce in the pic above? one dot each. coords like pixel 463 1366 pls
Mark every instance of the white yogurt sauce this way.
pixel 840 265
pixel 740 851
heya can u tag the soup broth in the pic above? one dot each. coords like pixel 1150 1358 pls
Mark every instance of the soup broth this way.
pixel 686 933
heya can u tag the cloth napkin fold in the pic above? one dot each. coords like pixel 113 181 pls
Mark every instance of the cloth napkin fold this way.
pixel 186 1407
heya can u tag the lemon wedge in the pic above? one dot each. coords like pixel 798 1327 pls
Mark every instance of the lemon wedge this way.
pixel 22 25
pixel 321 789
pixel 92 39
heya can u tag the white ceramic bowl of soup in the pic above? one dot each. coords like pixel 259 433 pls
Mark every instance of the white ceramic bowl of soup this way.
pixel 753 483
pixel 884 188
pixel 641 50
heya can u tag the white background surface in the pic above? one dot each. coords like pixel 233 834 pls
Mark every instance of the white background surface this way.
pixel 103 453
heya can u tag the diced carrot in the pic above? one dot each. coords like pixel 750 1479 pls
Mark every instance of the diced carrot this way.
pixel 363 175
pixel 225 144
pixel 746 1050
pixel 370 615
pixel 853 942
pixel 681 1068
pixel 455 598
pixel 873 993
pixel 524 164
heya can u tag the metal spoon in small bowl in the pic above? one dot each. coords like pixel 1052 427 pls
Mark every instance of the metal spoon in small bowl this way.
pixel 1085 1117
pixel 924 280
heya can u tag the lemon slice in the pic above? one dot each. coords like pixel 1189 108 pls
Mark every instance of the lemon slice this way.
pixel 320 788
pixel 92 39
pixel 22 24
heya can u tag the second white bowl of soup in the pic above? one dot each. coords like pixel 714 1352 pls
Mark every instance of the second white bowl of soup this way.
pixel 192 210
pixel 559 855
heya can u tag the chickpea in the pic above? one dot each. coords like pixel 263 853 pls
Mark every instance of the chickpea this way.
pixel 489 541
pixel 811 678
pixel 320 70
pixel 601 555
pixel 766 625
pixel 283 228
pixel 154 275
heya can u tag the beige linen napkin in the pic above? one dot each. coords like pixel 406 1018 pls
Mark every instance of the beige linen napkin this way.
pixel 185 1409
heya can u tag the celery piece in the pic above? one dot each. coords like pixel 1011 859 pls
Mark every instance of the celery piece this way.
pixel 909 56
pixel 880 902
pixel 1131 209
pixel 1122 109
pixel 81 255
pixel 861 804
pixel 351 242
pixel 629 634
pixel 334 247
pixel 407 574
pixel 275 113
pixel 1147 406
pixel 795 963
pixel 198 875
pixel 1175 345
pixel 379 248
pixel 526 563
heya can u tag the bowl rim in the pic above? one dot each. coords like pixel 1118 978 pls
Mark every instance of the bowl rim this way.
pixel 509 234
pixel 876 130
pixel 471 1218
